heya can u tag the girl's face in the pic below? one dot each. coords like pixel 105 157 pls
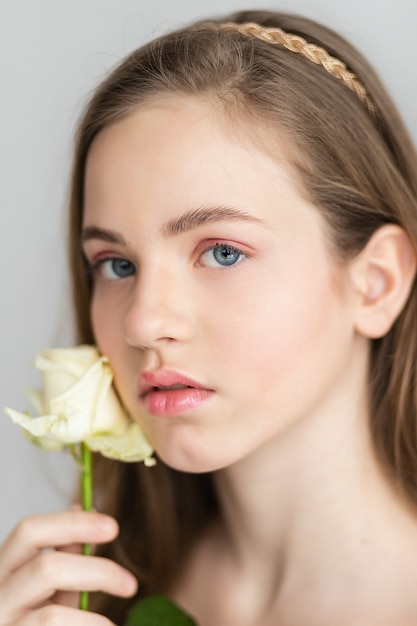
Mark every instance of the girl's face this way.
pixel 215 297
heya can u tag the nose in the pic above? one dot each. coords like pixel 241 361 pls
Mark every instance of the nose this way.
pixel 159 312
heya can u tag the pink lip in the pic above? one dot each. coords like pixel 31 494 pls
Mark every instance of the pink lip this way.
pixel 158 399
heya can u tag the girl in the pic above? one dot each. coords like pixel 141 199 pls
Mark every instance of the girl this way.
pixel 243 247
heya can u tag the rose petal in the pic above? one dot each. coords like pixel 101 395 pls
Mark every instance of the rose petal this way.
pixel 129 447
pixel 60 368
pixel 64 429
pixel 24 421
pixel 93 395
pixel 75 361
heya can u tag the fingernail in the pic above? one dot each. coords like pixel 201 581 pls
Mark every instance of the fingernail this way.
pixel 130 583
pixel 105 524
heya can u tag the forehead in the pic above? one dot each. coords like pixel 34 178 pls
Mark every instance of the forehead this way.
pixel 181 140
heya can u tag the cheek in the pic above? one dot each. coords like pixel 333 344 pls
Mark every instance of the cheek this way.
pixel 106 326
pixel 109 336
pixel 284 332
pixel 97 322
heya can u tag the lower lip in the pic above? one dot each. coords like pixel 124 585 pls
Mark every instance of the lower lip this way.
pixel 172 402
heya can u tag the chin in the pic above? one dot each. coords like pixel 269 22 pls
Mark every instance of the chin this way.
pixel 187 448
pixel 189 461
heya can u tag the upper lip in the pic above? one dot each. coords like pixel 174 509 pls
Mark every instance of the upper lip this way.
pixel 164 378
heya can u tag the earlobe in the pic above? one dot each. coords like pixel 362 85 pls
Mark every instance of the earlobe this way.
pixel 383 275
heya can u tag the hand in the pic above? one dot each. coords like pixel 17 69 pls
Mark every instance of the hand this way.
pixel 42 570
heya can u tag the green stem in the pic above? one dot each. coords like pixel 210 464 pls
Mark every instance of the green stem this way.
pixel 87 502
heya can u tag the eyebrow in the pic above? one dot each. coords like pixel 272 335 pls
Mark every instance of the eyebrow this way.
pixel 186 222
pixel 206 215
pixel 94 232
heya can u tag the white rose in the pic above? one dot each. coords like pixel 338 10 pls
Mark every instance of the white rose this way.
pixel 78 404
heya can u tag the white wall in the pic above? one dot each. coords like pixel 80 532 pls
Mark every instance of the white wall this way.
pixel 52 54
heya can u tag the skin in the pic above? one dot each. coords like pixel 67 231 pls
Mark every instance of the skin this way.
pixel 312 533
pixel 176 309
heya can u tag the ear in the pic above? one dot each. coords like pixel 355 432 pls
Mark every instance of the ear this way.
pixel 383 275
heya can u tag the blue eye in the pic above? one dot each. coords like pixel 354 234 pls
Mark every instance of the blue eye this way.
pixel 222 255
pixel 114 269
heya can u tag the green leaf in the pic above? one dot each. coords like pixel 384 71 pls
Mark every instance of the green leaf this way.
pixel 158 611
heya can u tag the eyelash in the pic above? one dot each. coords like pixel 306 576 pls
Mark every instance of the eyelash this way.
pixel 230 250
pixel 99 265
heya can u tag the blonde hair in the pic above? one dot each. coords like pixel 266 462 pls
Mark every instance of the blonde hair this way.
pixel 358 168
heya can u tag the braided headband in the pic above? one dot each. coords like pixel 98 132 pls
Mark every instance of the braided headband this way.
pixel 309 51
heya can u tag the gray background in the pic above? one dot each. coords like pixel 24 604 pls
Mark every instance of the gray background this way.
pixel 52 54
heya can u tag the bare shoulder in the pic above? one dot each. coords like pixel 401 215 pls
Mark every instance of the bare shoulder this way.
pixel 383 592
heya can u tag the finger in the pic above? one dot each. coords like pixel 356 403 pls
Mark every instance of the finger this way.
pixel 67 598
pixel 53 530
pixel 54 614
pixel 73 548
pixel 39 579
